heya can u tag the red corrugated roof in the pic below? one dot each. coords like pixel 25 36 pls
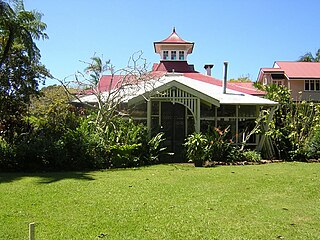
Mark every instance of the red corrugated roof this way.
pixel 108 82
pixel 247 88
pixel 174 38
pixel 300 69
pixel 176 66
pixel 272 70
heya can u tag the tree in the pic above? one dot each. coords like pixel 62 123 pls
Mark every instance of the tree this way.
pixel 242 78
pixel 19 26
pixel 308 57
pixel 292 125
pixel 20 67
pixel 122 83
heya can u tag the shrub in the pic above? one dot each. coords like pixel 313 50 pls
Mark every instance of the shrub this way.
pixel 215 146
pixel 219 147
pixel 196 148
pixel 155 148
pixel 313 146
pixel 252 156
pixel 291 126
pixel 235 154
pixel 7 156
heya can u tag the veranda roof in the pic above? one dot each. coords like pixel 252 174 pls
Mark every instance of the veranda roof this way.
pixel 209 92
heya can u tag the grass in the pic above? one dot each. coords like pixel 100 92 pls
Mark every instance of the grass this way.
pixel 273 201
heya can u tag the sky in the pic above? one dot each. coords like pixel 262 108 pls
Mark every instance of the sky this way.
pixel 249 34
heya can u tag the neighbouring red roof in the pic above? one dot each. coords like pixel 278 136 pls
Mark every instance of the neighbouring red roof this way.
pixel 272 70
pixel 293 70
pixel 300 69
pixel 268 70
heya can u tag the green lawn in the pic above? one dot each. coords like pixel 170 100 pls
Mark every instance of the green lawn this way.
pixel 273 201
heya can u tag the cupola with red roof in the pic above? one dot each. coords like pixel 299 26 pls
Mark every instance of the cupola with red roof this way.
pixel 173 48
pixel 173 51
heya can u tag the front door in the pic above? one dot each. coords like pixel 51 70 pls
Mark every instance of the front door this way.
pixel 173 126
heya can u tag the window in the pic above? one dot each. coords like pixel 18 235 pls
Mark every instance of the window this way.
pixel 306 85
pixel 278 82
pixel 165 55
pixel 181 55
pixel 265 81
pixel 312 85
pixel 173 55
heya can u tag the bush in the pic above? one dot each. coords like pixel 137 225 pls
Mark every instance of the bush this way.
pixel 252 156
pixel 219 147
pixel 196 148
pixel 155 148
pixel 291 126
pixel 216 147
pixel 313 146
pixel 7 156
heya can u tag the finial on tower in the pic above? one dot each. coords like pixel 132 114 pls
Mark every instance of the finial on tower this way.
pixel 174 29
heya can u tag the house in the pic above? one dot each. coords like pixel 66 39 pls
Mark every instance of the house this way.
pixel 182 100
pixel 302 78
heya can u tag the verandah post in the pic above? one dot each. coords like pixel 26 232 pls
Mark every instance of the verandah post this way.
pixel 149 116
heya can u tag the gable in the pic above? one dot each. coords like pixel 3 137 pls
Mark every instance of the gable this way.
pixel 174 90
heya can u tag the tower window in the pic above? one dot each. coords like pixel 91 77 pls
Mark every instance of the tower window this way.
pixel 173 55
pixel 181 55
pixel 165 55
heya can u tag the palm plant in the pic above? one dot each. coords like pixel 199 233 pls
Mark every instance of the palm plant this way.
pixel 20 27
pixel 308 57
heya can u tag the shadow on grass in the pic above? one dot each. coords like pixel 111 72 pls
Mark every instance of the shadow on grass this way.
pixel 45 177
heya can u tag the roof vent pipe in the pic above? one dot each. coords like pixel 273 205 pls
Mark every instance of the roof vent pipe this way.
pixel 208 68
pixel 225 75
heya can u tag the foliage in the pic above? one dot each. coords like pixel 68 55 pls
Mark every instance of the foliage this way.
pixel 308 57
pixel 61 137
pixel 196 144
pixel 219 147
pixel 292 125
pixel 215 146
pixel 120 84
pixel 20 67
pixel 155 148
pixel 242 78
pixel 252 156
pixel 313 147
pixel 20 28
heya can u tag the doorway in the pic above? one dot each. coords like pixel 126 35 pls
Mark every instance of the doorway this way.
pixel 173 123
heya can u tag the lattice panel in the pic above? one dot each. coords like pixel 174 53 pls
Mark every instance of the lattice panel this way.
pixel 177 95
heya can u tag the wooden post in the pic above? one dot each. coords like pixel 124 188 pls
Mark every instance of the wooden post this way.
pixel 198 115
pixel 31 231
pixel 149 116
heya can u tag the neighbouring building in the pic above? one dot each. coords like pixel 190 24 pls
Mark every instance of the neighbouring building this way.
pixel 183 101
pixel 302 78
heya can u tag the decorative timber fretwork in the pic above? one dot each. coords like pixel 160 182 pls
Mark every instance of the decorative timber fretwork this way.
pixel 176 95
